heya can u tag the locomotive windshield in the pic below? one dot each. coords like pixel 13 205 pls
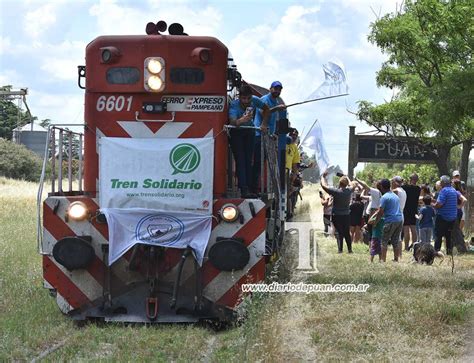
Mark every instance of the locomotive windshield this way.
pixel 123 75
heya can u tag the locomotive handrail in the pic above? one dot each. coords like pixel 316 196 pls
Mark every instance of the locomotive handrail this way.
pixel 137 113
pixel 268 151
pixel 241 127
pixel 39 195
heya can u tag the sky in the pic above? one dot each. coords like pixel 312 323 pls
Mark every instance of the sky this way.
pixel 43 42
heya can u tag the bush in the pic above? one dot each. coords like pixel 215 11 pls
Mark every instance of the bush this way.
pixel 427 173
pixel 17 162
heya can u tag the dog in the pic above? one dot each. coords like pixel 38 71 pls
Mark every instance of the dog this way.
pixel 425 253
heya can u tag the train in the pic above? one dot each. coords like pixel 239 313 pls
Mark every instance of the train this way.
pixel 154 229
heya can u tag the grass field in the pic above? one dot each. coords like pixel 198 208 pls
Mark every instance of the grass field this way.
pixel 410 312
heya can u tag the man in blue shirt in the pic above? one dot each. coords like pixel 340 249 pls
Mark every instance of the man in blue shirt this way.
pixel 242 138
pixel 447 206
pixel 390 210
pixel 272 101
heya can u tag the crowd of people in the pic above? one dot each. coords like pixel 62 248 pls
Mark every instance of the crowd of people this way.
pixel 390 212
pixel 394 212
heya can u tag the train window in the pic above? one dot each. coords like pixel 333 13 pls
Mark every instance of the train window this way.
pixel 187 75
pixel 123 75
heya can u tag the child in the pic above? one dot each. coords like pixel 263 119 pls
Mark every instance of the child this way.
pixel 375 241
pixel 425 217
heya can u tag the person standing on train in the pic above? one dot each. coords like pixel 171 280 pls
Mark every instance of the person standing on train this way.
pixel 242 137
pixel 272 100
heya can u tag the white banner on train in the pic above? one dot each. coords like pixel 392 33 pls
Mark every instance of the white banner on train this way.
pixel 162 174
pixel 194 103
pixel 127 227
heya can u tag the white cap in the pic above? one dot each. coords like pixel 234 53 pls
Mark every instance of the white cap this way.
pixel 456 173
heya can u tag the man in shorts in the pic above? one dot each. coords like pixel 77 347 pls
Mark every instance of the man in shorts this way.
pixel 393 220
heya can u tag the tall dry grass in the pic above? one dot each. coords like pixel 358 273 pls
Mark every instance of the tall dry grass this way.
pixel 31 323
pixel 411 312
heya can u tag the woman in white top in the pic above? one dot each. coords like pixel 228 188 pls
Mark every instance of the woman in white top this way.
pixel 374 196
pixel 397 182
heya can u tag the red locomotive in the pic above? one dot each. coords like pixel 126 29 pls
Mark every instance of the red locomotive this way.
pixel 159 92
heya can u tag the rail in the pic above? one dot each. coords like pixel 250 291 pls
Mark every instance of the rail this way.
pixel 50 150
pixel 271 190
pixel 269 151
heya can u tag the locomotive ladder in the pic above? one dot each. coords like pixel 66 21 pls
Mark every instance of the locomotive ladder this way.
pixel 273 190
pixel 59 143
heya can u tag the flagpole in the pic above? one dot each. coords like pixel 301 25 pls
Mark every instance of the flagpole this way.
pixel 316 99
pixel 302 131
pixel 314 123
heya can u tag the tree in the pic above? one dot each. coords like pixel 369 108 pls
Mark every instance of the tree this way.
pixel 11 116
pixel 17 162
pixel 309 174
pixel 75 145
pixel 429 46
pixel 427 173
pixel 45 123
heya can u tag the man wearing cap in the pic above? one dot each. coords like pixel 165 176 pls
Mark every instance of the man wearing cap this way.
pixel 457 177
pixel 412 192
pixel 242 138
pixel 272 101
pixel 447 212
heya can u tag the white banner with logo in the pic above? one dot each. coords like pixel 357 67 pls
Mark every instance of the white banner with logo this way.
pixel 162 174
pixel 128 227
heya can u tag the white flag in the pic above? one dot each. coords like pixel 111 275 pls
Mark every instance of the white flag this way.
pixel 130 226
pixel 314 141
pixel 334 82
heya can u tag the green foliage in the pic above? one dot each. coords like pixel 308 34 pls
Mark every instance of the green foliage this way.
pixel 17 162
pixel 310 174
pixel 45 123
pixel 427 173
pixel 75 145
pixel 10 116
pixel 429 47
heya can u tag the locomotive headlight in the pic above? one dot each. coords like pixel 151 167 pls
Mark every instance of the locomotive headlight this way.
pixel 77 211
pixel 154 66
pixel 229 213
pixel 154 74
pixel 155 83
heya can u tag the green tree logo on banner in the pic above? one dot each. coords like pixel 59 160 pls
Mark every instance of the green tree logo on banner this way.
pixel 184 158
